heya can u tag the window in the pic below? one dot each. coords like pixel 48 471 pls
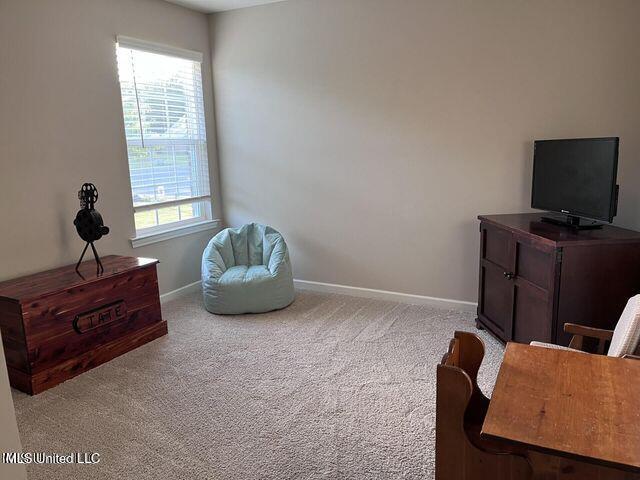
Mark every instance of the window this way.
pixel 164 125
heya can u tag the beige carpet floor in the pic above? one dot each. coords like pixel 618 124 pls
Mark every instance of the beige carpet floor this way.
pixel 332 387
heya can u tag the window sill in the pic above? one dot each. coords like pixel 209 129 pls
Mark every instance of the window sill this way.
pixel 143 240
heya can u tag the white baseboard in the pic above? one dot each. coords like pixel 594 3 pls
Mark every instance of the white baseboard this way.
pixel 179 292
pixel 348 290
pixel 386 295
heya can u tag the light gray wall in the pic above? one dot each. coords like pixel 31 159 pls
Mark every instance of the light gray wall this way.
pixel 61 125
pixel 373 132
pixel 9 438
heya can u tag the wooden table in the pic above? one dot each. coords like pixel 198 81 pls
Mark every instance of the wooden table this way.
pixel 575 405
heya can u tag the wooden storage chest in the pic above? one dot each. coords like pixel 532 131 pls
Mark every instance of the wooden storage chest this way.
pixel 58 324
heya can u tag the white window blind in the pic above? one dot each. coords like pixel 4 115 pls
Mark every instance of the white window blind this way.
pixel 163 110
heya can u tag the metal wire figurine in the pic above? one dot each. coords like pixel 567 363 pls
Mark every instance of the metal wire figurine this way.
pixel 89 224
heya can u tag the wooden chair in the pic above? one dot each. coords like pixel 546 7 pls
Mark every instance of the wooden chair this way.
pixel 460 410
pixel 623 341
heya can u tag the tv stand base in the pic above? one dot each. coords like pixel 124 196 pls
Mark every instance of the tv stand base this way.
pixel 572 222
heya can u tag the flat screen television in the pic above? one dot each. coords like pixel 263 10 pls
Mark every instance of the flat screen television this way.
pixel 576 177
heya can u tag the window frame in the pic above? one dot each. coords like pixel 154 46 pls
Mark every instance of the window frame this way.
pixel 204 220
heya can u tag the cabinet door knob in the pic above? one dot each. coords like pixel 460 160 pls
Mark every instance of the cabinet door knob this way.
pixel 509 275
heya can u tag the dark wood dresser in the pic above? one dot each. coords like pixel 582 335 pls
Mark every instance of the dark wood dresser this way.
pixel 58 324
pixel 535 277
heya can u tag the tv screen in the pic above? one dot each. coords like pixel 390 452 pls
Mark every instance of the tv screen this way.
pixel 576 177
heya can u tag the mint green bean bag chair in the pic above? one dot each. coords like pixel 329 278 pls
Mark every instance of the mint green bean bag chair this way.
pixel 246 270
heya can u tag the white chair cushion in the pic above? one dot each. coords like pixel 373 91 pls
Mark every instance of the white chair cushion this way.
pixel 555 347
pixel 627 332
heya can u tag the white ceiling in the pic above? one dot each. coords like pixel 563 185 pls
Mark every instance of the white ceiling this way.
pixel 210 6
